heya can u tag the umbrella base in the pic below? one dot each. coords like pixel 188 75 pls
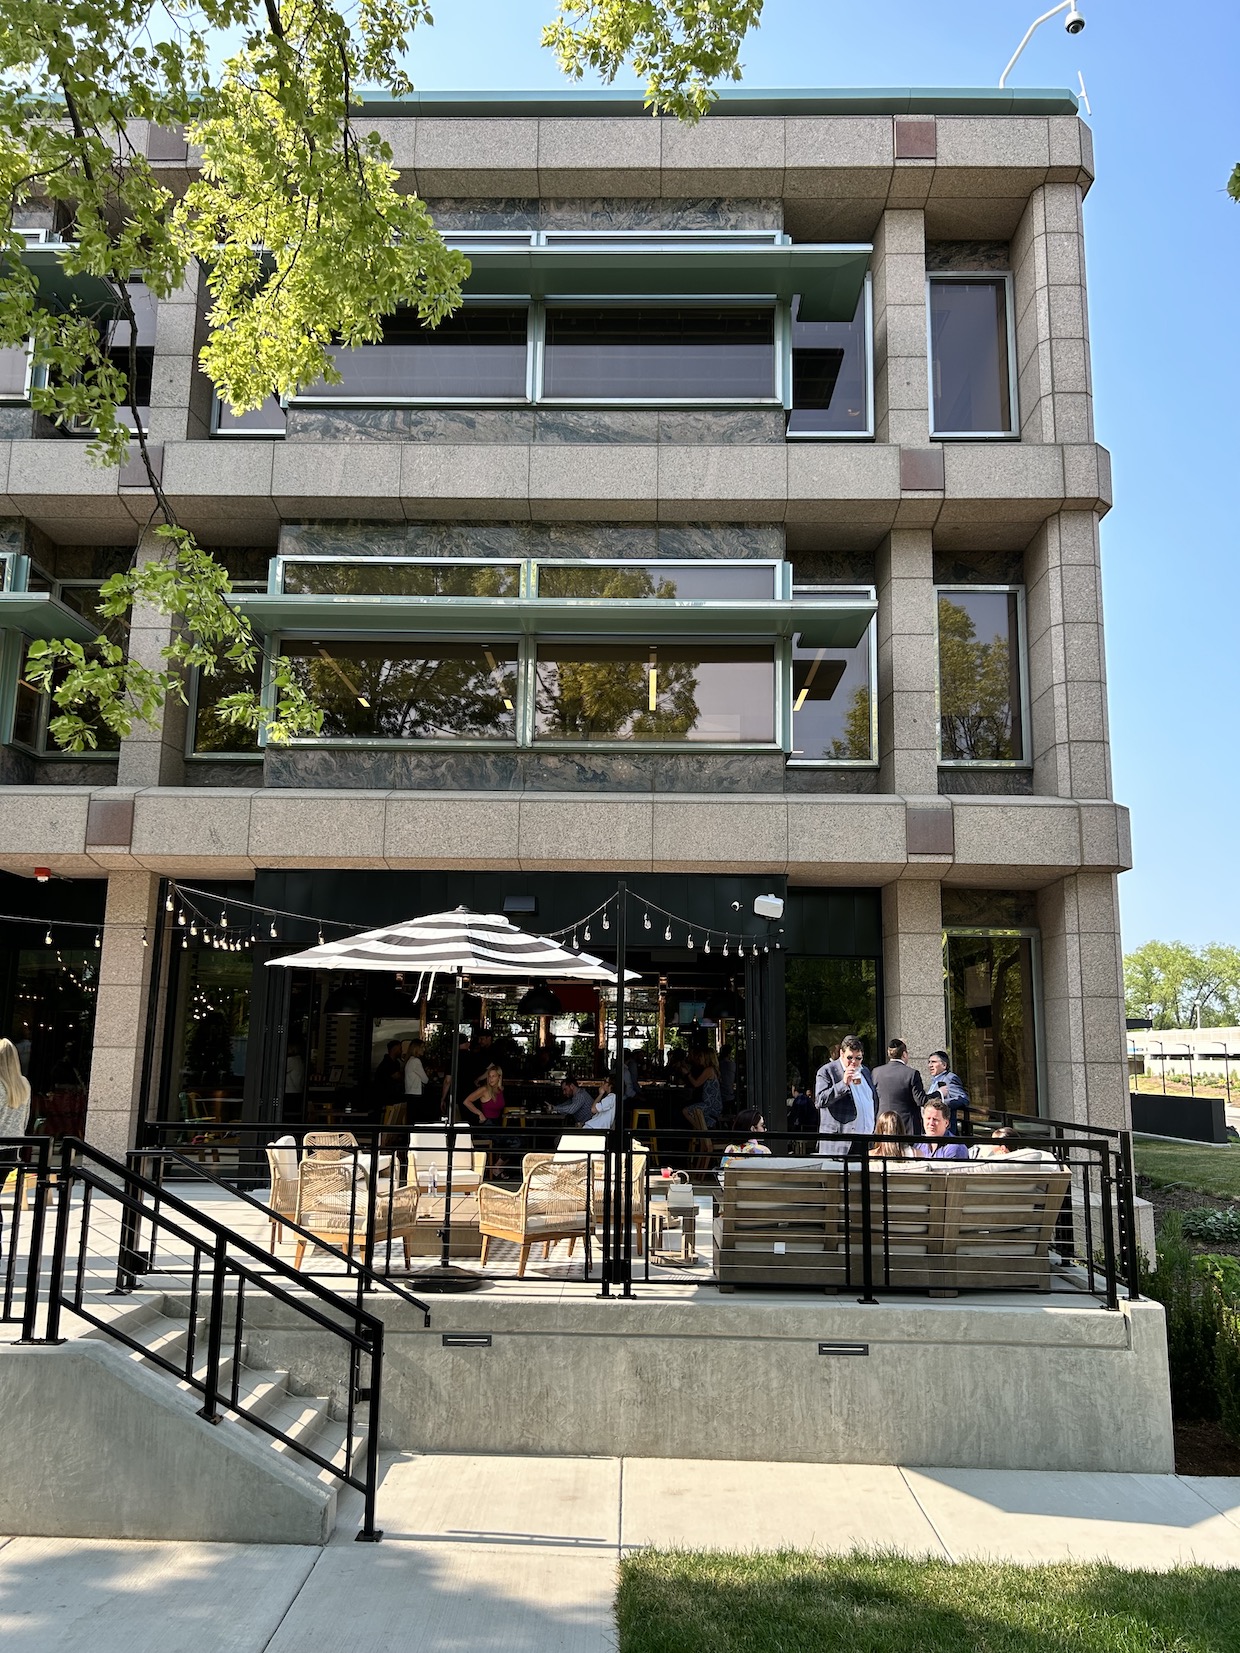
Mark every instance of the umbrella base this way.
pixel 442 1280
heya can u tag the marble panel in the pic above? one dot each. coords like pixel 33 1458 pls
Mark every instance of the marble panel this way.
pixel 968 255
pixel 722 426
pixel 721 539
pixel 244 772
pixel 991 783
pixel 406 424
pixel 65 772
pixel 16 424
pixel 834 781
pixel 342 539
pixel 16 768
pixel 567 213
pixel 12 534
pixel 392 770
pixel 707 773
pixel 577 425
pixel 623 771
pixel 514 213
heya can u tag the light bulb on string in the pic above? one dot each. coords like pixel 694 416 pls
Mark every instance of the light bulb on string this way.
pixel 168 902
pixel 646 920
pixel 223 919
pixel 185 944
pixel 193 929
pixel 587 932
pixel 606 922
pixel 689 943
pixel 320 935
pixel 766 946
pixel 181 918
pixel 145 942
pixel 706 949
pixel 274 932
pixel 576 943
pixel 725 947
pixel 667 934
pixel 98 939
pixel 47 939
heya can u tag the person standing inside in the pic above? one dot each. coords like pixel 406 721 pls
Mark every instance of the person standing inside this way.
pixel 416 1081
pixel 844 1092
pixel 898 1088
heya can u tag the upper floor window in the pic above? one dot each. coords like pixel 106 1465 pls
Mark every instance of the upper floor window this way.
pixel 385 690
pixel 832 374
pixel 659 353
pixel 15 373
pixel 972 353
pixel 833 701
pixel 982 689
pixel 477 354
pixel 658 692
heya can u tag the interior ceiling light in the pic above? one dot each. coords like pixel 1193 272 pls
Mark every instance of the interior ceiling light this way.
pixel 539 1001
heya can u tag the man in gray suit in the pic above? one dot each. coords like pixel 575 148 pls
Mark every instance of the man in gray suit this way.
pixel 844 1093
pixel 898 1088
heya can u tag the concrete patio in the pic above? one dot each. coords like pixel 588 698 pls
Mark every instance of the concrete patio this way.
pixel 520 1554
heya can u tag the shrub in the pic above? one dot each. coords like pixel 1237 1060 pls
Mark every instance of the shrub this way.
pixel 1207 1222
pixel 1201 1296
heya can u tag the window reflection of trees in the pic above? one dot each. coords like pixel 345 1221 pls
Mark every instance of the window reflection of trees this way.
pixel 379 691
pixel 401 579
pixel 978 708
pixel 605 694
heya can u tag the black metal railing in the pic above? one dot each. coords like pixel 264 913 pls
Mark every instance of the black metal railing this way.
pixel 25 1162
pixel 225 1270
pixel 1093 1237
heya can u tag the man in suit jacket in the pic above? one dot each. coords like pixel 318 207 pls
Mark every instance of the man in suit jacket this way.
pixel 898 1087
pixel 844 1092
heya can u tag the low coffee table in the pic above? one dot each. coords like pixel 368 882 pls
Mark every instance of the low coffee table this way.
pixel 466 1240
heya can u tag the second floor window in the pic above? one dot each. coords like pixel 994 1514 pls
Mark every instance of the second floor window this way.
pixel 982 715
pixel 971 371
pixel 663 353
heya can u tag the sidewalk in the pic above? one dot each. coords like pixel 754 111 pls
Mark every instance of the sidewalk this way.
pixel 519 1554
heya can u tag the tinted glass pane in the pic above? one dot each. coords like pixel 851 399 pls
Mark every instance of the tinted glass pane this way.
pixel 828 376
pixel 969 356
pixel 402 579
pixel 26 711
pixel 827 998
pixel 394 691
pixel 659 354
pixel 632 693
pixel 264 421
pixel 979 676
pixel 696 583
pixel 13 364
pixel 210 734
pixel 992 1035
pixel 477 352
pixel 831 699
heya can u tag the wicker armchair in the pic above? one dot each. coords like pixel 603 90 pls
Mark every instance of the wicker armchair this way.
pixel 336 1147
pixel 552 1203
pixel 282 1163
pixel 333 1206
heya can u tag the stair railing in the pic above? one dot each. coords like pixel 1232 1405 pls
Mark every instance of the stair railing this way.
pixel 221 1261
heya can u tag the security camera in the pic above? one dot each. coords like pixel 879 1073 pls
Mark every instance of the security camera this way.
pixel 768 906
pixel 1074 22
pixel 736 906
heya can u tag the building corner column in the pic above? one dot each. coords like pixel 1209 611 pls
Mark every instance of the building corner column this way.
pixel 1083 1001
pixel 913 1000
pixel 121 1012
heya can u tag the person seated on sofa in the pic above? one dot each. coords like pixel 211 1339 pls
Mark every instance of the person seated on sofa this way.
pixel 604 1115
pixel 748 1125
pixel 575 1101
pixel 936 1118
pixel 1004 1144
pixel 890 1137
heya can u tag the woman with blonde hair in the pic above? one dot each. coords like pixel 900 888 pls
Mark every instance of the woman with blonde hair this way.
pixel 14 1107
pixel 889 1138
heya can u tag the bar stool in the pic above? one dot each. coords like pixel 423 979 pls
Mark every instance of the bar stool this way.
pixel 643 1119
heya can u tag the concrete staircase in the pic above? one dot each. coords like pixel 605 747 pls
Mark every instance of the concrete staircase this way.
pixel 159 1322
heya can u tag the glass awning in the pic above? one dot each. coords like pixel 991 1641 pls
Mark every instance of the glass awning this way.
pixel 819 622
pixel 828 278
pixel 58 289
pixel 39 614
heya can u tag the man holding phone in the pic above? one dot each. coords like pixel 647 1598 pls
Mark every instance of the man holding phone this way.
pixel 844 1092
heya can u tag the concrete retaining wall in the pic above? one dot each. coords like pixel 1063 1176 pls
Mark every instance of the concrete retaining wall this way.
pixel 951 1384
pixel 96 1446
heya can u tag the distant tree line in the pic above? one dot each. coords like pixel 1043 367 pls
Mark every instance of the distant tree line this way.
pixel 1181 986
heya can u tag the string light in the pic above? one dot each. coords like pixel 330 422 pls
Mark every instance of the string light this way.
pixel 193 929
pixel 145 942
pixel 646 920
pixel 576 943
pixel 181 918
pixel 667 934
pixel 274 931
pixel 587 932
pixel 606 922
pixel 168 902
pixel 706 949
pixel 47 939
pixel 320 935
pixel 725 947
pixel 185 944
pixel 98 939
pixel 689 943
pixel 223 919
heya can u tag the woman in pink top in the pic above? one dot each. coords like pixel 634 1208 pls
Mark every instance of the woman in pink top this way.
pixel 487 1102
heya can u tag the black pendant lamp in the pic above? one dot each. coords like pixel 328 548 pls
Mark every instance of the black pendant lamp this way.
pixel 539 1001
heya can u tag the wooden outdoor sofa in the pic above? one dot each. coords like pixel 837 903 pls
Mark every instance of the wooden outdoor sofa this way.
pixel 948 1225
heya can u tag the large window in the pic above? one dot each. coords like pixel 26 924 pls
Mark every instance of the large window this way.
pixel 981 675
pixel 826 999
pixel 664 581
pixel 392 577
pixel 992 1024
pixel 409 691
pixel 831 374
pixel 14 373
pixel 629 692
pixel 477 354
pixel 34 710
pixel 662 353
pixel 833 700
pixel 970 356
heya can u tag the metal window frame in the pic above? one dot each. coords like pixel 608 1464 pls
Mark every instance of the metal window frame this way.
pixel 1026 760
pixel 192 755
pixel 991 277
pixel 282 560
pixel 872 762
pixel 867 434
pixel 1024 932
pixel 774 564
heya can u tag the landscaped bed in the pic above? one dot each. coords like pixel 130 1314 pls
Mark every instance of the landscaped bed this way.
pixel 795 1602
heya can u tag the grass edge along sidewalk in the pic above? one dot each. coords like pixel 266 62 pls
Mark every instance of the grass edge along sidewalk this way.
pixel 793 1601
pixel 1208 1170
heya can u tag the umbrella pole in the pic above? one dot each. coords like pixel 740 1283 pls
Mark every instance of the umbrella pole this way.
pixel 450 1133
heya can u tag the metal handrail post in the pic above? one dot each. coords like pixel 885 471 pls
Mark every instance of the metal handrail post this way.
pixel 867 1260
pixel 445 1233
pixel 215 1338
pixel 34 1261
pixel 1127 1196
pixel 60 1245
pixel 605 1262
pixel 370 1534
pixel 1108 1232
pixel 626 1245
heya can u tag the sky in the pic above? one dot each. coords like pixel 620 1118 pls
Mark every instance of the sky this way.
pixel 1162 241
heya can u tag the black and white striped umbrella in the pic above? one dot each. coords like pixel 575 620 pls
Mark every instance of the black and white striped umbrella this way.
pixel 479 944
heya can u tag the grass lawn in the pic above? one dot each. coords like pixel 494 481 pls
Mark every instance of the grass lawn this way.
pixel 1209 1170
pixel 693 1602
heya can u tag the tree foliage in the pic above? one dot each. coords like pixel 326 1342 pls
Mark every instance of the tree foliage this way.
pixel 1175 979
pixel 294 215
